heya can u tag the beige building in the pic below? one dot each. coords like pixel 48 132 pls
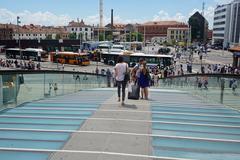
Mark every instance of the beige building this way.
pixel 33 32
pixel 177 34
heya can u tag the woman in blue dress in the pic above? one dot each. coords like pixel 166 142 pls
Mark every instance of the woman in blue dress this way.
pixel 143 81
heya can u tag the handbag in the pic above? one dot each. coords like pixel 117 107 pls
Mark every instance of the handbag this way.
pixel 126 75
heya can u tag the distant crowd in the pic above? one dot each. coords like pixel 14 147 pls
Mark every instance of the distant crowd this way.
pixel 19 64
pixel 217 68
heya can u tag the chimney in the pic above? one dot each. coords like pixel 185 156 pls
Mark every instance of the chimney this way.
pixel 111 19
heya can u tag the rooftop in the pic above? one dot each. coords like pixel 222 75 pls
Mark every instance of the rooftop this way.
pixel 78 24
pixel 164 23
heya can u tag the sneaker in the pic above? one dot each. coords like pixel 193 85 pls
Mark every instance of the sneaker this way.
pixel 123 103
pixel 119 100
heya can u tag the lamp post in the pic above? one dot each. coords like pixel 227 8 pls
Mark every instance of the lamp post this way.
pixel 19 44
pixel 57 57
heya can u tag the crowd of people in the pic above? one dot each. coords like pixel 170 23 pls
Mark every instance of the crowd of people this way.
pixel 218 68
pixel 19 64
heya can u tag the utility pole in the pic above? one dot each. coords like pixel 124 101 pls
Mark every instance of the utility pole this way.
pixel 204 24
pixel 144 34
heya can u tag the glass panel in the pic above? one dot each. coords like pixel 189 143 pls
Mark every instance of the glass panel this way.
pixel 18 88
pixel 215 89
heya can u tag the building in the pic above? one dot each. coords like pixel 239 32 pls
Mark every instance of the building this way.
pixel 5 32
pixel 226 25
pixel 80 28
pixel 36 32
pixel 199 28
pixel 221 25
pixel 158 29
pixel 177 35
pixel 236 56
pixel 210 35
pixel 234 28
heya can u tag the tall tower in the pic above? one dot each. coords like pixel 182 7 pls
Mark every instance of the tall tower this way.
pixel 101 13
pixel 203 9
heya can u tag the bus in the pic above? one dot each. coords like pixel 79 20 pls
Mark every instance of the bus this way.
pixel 27 54
pixel 70 58
pixel 132 46
pixel 153 60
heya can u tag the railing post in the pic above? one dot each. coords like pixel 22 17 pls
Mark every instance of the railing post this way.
pixel 222 90
pixel 44 83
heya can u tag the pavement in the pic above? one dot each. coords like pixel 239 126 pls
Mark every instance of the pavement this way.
pixel 115 124
pixel 213 57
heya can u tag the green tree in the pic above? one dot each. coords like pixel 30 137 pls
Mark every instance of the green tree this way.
pixel 49 37
pixel 109 37
pixel 58 36
pixel 135 36
pixel 101 37
pixel 73 35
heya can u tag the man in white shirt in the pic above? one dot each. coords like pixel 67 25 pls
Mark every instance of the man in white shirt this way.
pixel 121 69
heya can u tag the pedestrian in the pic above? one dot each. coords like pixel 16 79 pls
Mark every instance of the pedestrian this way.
pixel 121 69
pixel 109 75
pixel 144 80
pixel 136 70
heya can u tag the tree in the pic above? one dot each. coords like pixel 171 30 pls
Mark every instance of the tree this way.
pixel 101 36
pixel 73 35
pixel 58 36
pixel 109 37
pixel 49 37
pixel 135 36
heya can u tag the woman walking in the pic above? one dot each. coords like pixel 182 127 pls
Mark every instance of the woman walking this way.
pixel 144 81
pixel 121 69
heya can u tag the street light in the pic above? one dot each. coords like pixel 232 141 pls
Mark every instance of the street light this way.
pixel 57 57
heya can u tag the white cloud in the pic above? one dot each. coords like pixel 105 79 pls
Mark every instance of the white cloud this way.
pixel 27 17
pixel 163 15
pixel 117 19
pixel 49 19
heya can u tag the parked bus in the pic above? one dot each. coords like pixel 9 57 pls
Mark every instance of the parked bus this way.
pixel 70 58
pixel 132 59
pixel 27 54
pixel 132 46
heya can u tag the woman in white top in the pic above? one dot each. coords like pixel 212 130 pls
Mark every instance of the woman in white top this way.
pixel 120 69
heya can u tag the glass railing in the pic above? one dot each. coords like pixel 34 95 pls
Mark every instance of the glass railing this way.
pixel 215 88
pixel 18 87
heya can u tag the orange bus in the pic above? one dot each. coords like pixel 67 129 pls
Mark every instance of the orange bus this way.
pixel 70 58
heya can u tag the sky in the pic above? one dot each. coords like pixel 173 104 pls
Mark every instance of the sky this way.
pixel 60 12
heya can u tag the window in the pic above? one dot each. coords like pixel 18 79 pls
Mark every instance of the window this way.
pixel 219 17
pixel 218 35
pixel 219 23
pixel 220 11
pixel 218 29
pixel 86 29
pixel 80 29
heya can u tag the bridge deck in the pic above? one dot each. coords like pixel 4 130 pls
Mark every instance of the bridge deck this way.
pixel 92 125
